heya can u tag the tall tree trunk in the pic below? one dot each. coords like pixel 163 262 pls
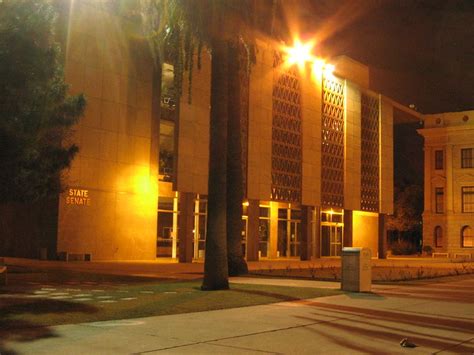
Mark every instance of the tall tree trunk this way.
pixel 235 189
pixel 215 264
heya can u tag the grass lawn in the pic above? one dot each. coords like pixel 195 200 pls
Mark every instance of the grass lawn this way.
pixel 31 304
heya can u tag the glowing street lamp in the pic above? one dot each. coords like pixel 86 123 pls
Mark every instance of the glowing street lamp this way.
pixel 329 70
pixel 300 53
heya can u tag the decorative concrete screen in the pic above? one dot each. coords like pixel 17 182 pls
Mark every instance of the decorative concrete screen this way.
pixel 332 141
pixel 369 153
pixel 286 134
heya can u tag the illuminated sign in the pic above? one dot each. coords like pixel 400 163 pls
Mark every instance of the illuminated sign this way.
pixel 78 197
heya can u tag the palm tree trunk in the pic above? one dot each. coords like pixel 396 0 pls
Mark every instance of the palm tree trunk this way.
pixel 215 264
pixel 235 192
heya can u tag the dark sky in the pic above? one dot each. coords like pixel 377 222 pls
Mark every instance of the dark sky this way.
pixel 420 52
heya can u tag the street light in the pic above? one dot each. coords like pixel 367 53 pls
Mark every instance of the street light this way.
pixel 299 54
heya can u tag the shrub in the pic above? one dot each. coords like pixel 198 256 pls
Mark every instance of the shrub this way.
pixel 403 248
pixel 427 249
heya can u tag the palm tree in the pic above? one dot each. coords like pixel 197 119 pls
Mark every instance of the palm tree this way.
pixel 235 187
pixel 177 28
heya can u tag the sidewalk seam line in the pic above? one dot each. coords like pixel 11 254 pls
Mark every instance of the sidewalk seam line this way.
pixel 453 346
pixel 251 334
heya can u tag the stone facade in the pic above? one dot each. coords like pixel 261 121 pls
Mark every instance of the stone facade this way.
pixel 115 167
pixel 109 209
pixel 448 217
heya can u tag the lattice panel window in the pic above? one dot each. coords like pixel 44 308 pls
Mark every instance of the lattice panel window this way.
pixel 332 144
pixel 369 153
pixel 286 136
pixel 244 112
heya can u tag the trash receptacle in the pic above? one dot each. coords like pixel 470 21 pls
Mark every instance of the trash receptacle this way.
pixel 356 270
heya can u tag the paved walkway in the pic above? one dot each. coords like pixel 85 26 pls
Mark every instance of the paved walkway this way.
pixel 437 316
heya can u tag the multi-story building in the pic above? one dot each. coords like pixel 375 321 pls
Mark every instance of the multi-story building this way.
pixel 317 152
pixel 448 218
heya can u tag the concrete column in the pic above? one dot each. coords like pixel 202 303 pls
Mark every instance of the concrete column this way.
pixel 316 244
pixel 273 247
pixel 382 237
pixel 347 242
pixel 186 225
pixel 252 231
pixel 306 232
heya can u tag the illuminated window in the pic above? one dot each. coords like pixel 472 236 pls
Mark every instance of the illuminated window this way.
pixel 467 158
pixel 167 124
pixel 439 199
pixel 468 199
pixel 167 227
pixel 264 231
pixel 439 160
pixel 438 236
pixel 467 237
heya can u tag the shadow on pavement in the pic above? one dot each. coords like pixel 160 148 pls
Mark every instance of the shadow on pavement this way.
pixel 274 295
pixel 355 323
pixel 14 328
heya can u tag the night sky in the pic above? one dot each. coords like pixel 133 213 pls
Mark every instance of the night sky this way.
pixel 419 52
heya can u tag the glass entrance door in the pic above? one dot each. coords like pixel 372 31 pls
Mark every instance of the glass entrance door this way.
pixel 200 227
pixel 332 231
pixel 289 232
pixel 167 241
pixel 331 240
pixel 263 231
pixel 245 227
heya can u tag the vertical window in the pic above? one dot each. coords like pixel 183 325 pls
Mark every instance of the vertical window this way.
pixel 167 124
pixel 167 226
pixel 439 199
pixel 264 231
pixel 438 236
pixel 467 198
pixel 439 160
pixel 467 237
pixel 467 158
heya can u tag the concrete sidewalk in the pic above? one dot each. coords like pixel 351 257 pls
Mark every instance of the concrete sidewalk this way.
pixel 438 317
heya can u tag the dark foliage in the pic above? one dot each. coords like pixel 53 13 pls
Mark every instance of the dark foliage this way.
pixel 35 110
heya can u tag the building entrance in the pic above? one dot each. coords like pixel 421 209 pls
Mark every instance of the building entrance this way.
pixel 289 232
pixel 332 231
pixel 263 231
pixel 200 227
pixel 245 226
pixel 167 236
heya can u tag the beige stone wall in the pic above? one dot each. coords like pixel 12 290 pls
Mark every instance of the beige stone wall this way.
pixel 365 230
pixel 260 125
pixel 352 70
pixel 114 139
pixel 311 103
pixel 449 119
pixel 450 133
pixel 386 156
pixel 193 141
pixel 352 146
